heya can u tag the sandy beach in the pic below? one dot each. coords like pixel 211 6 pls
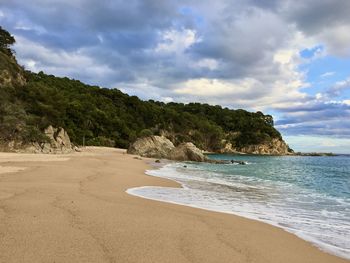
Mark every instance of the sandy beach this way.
pixel 74 208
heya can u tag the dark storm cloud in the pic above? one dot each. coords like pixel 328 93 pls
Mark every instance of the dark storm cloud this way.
pixel 316 107
pixel 132 28
pixel 333 128
pixel 73 24
pixel 318 118
pixel 313 16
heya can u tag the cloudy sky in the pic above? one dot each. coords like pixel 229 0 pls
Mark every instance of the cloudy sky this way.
pixel 287 58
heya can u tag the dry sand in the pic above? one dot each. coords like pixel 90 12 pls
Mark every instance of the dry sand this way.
pixel 74 208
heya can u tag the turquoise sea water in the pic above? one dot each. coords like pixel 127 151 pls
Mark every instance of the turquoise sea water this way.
pixel 308 196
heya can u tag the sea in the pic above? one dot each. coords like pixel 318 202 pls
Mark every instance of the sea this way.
pixel 307 196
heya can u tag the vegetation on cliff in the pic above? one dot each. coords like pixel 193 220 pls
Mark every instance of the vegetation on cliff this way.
pixel 98 116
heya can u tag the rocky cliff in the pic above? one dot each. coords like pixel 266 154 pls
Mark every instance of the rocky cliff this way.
pixel 274 147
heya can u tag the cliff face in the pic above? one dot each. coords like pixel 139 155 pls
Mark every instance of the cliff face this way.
pixel 274 147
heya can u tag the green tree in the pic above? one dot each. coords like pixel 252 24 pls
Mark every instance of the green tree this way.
pixel 145 133
pixel 6 40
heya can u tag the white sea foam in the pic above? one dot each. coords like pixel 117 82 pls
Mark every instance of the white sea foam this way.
pixel 275 203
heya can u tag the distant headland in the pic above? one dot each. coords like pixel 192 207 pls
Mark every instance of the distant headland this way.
pixel 38 110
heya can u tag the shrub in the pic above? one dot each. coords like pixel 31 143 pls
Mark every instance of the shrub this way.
pixel 145 133
pixel 101 141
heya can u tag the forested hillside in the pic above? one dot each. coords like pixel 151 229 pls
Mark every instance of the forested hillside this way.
pixel 91 115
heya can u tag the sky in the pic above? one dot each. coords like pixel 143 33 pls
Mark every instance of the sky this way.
pixel 287 58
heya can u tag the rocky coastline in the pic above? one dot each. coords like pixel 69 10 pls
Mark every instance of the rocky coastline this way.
pixel 273 147
pixel 161 147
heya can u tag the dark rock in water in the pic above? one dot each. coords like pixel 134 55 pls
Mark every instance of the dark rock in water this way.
pixel 314 154
pixel 218 161
pixel 226 162
pixel 185 166
pixel 157 161
pixel 238 162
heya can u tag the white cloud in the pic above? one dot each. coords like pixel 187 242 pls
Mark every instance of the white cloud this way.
pixel 174 41
pixel 338 87
pixel 208 63
pixel 60 62
pixel 319 96
pixel 214 87
pixel 284 56
pixel 327 74
pixel 337 40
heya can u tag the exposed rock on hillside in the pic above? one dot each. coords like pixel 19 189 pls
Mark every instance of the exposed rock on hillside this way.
pixel 58 142
pixel 273 147
pixel 152 146
pixel 187 152
pixel 228 148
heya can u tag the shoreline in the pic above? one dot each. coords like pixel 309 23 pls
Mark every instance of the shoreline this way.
pixel 133 191
pixel 84 198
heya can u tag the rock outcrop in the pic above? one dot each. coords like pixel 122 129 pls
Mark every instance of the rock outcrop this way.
pixel 229 149
pixel 161 147
pixel 152 146
pixel 58 142
pixel 274 147
pixel 187 152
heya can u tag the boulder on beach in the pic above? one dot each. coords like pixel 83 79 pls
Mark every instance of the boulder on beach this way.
pixel 161 147
pixel 187 152
pixel 152 146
